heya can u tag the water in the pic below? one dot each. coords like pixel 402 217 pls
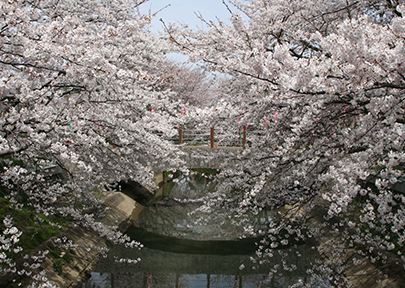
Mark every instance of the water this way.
pixel 193 281
pixel 184 248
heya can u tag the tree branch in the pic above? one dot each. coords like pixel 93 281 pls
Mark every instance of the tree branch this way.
pixel 16 64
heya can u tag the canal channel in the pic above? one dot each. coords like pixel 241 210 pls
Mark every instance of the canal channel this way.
pixel 185 245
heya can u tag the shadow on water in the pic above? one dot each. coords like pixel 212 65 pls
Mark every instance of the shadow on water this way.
pixel 156 241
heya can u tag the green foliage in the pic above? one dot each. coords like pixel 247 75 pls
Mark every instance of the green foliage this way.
pixel 54 252
pixel 11 161
pixel 100 194
pixel 58 265
pixel 167 188
pixel 168 183
pixel 379 168
pixel 166 175
pixel 35 231
pixel 60 258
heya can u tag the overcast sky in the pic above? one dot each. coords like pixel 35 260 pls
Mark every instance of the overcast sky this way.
pixel 183 11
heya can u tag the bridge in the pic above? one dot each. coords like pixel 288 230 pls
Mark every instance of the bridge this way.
pixel 207 150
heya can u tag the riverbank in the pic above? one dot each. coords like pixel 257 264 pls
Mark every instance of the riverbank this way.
pixel 358 270
pixel 90 246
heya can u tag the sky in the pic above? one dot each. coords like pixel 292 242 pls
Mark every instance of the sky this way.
pixel 183 11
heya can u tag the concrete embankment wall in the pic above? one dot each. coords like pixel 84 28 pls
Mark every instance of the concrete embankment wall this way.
pixel 90 244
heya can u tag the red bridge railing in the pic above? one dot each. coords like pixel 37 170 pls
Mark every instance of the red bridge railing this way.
pixel 181 138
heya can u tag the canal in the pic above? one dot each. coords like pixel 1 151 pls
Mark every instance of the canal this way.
pixel 186 245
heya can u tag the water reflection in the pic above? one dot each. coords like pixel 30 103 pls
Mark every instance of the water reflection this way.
pixel 188 249
pixel 178 216
pixel 183 221
pixel 165 280
pixel 166 269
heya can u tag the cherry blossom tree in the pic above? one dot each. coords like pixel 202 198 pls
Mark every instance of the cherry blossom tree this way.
pixel 319 83
pixel 323 91
pixel 76 97
pixel 189 84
